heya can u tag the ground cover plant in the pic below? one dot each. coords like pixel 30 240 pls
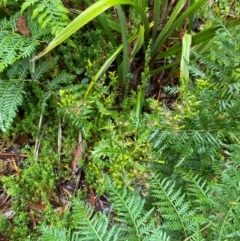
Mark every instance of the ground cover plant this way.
pixel 128 129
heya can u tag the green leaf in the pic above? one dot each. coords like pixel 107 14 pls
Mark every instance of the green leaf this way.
pixel 139 43
pixel 184 73
pixel 123 68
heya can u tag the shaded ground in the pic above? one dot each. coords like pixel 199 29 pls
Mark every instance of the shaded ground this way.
pixel 11 163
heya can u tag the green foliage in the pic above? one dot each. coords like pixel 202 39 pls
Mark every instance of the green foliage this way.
pixel 13 45
pixel 37 178
pixel 16 69
pixel 49 13
pixel 129 210
pixel 35 183
pixel 129 48
pixel 55 234
pixel 117 139
pixel 3 225
pixel 199 210
pixel 204 122
pixel 86 57
pixel 194 139
pixel 131 223
pixel 193 189
pixel 14 84
pixel 173 206
pixel 11 93
pixel 91 226
pixel 174 173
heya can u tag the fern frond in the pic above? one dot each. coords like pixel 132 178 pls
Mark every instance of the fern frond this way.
pixel 62 78
pixel 158 137
pixel 41 69
pixel 9 24
pixel 199 191
pixel 49 13
pixel 197 236
pixel 157 235
pixel 56 234
pixel 19 70
pixel 11 92
pixel 129 210
pixel 129 221
pixel 13 46
pixel 226 203
pixel 11 96
pixel 173 206
pixel 92 226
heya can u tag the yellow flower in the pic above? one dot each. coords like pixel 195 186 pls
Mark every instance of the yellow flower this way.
pixel 217 9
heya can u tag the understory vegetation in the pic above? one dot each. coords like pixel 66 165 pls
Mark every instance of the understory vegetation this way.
pixel 119 120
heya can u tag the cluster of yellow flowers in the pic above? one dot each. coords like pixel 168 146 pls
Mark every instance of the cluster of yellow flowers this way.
pixel 67 98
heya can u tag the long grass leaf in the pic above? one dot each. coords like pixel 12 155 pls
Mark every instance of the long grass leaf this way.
pixel 123 68
pixel 140 41
pixel 112 24
pixel 156 15
pixel 196 39
pixel 103 21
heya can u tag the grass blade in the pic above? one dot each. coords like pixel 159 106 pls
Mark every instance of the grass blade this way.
pixel 123 68
pixel 156 14
pixel 184 73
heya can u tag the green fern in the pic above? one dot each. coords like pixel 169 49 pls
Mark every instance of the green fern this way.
pixel 130 221
pixel 11 92
pixel 197 236
pixel 226 199
pixel 55 234
pixel 13 46
pixel 202 124
pixel 198 191
pixel 49 13
pixel 92 227
pixel 13 83
pixel 129 211
pixel 175 210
